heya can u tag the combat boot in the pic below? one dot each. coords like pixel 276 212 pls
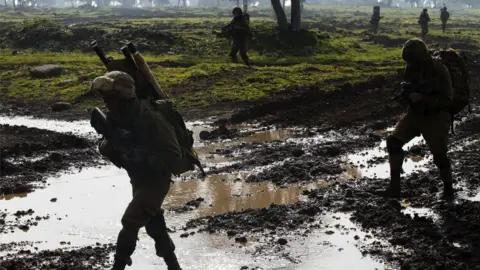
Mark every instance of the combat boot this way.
pixel 448 191
pixel 394 189
pixel 172 262
pixel 120 264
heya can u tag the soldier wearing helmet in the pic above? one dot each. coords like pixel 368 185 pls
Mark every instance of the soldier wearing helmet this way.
pixel 238 29
pixel 153 150
pixel 423 21
pixel 427 115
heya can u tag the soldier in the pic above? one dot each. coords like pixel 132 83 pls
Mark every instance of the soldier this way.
pixel 423 21
pixel 428 115
pixel 444 16
pixel 153 150
pixel 239 30
pixel 375 19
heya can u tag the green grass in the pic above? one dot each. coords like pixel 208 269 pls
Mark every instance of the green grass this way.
pixel 345 53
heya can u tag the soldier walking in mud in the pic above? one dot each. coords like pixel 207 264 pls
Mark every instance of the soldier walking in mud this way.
pixel 444 16
pixel 238 29
pixel 423 21
pixel 428 114
pixel 375 19
pixel 152 149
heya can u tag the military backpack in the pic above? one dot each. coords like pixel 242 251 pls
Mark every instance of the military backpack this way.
pixel 184 137
pixel 457 67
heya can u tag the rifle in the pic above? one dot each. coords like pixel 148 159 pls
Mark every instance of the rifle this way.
pixel 408 88
pixel 118 137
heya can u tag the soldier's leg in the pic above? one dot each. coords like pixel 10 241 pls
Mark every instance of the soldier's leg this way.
pixel 233 52
pixel 164 246
pixel 435 130
pixel 243 51
pixel 444 25
pixel 146 202
pixel 405 131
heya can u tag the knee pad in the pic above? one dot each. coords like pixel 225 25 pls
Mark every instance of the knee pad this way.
pixel 394 145
pixel 441 161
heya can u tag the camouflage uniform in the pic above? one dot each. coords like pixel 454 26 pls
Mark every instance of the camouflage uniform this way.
pixel 239 30
pixel 154 149
pixel 429 116
pixel 423 21
pixel 444 16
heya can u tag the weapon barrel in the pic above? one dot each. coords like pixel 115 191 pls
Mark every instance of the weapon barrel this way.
pixel 99 52
pixel 145 70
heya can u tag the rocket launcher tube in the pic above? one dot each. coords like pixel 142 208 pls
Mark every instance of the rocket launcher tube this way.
pixel 145 70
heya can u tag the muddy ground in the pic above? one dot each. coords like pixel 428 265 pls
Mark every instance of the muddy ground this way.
pixel 446 238
pixel 30 155
pixel 335 124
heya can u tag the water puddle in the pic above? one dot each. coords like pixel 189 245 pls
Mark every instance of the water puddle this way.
pixel 421 212
pixel 89 205
pixel 374 162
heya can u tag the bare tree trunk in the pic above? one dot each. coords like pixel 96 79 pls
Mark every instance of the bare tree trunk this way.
pixel 184 3
pixel 238 3
pixel 280 13
pixel 283 5
pixel 245 6
pixel 296 15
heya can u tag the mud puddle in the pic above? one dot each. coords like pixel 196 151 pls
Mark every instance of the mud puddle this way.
pixel 373 163
pixel 88 207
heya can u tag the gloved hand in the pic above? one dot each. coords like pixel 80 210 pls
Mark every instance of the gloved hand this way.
pixel 107 150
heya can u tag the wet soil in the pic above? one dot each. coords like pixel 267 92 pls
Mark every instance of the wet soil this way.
pixel 30 155
pixel 425 231
pixel 87 258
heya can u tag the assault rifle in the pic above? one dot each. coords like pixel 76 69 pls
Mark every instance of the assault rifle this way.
pixel 118 137
pixel 408 88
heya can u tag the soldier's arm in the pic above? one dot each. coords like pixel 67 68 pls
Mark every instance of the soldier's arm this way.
pixel 163 147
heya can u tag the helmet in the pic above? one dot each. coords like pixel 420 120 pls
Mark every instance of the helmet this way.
pixel 415 50
pixel 116 83
pixel 237 10
pixel 424 10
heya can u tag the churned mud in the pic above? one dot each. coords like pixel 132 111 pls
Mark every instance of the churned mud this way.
pixel 89 257
pixel 29 155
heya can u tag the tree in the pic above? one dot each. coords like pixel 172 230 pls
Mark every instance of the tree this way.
pixel 280 14
pixel 296 15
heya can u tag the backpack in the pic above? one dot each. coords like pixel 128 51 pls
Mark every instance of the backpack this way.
pixel 184 137
pixel 457 67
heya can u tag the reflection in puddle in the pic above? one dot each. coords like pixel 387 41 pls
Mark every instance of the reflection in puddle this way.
pixel 421 212
pixel 11 196
pixel 335 249
pixel 381 168
pixel 222 193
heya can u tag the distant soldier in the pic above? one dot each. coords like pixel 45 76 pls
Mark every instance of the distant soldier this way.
pixel 444 16
pixel 238 29
pixel 423 21
pixel 375 19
